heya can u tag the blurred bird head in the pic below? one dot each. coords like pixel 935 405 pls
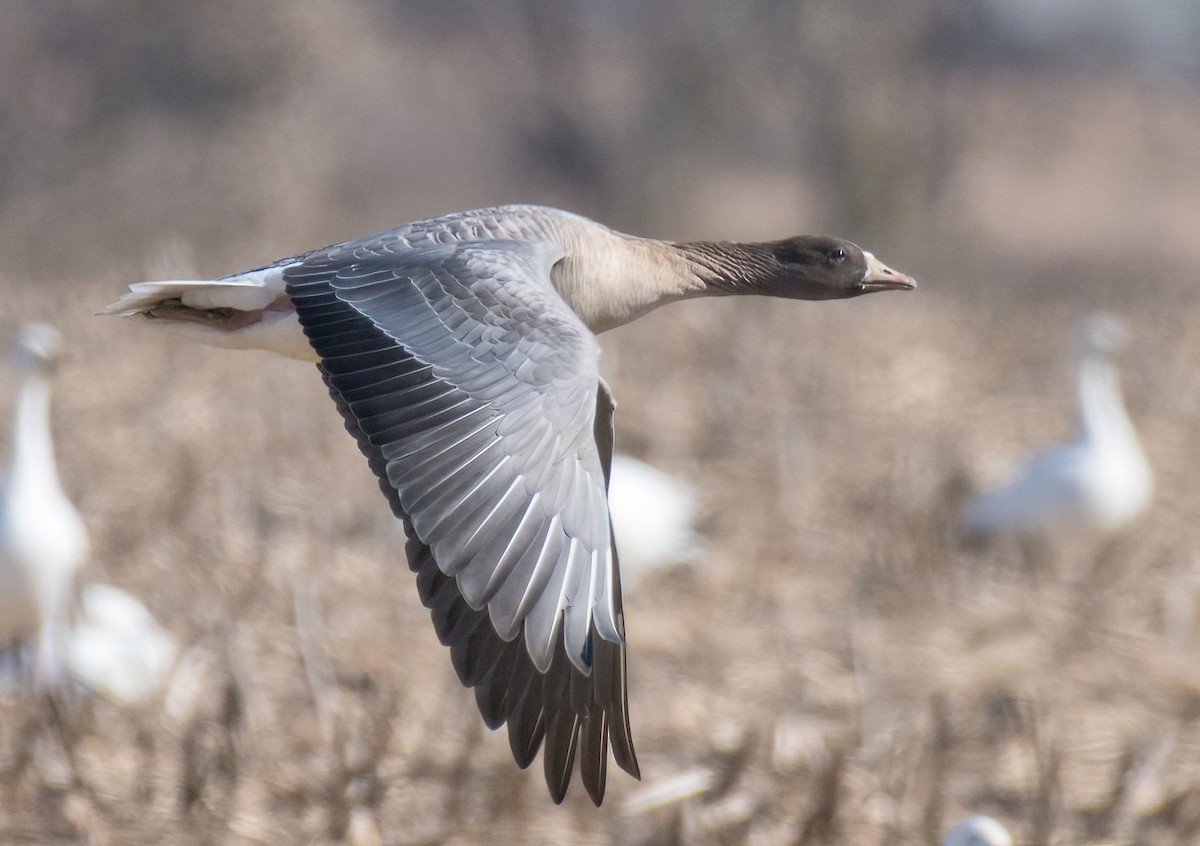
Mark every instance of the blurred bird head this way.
pixel 38 348
pixel 1101 334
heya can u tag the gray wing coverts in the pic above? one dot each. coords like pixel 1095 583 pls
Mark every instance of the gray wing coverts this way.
pixel 473 391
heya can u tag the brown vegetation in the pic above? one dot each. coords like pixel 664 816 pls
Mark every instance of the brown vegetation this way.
pixel 843 667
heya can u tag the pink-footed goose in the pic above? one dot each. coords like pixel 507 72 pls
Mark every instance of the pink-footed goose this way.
pixel 460 352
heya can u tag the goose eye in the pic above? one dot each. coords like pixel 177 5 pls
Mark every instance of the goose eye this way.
pixel 837 254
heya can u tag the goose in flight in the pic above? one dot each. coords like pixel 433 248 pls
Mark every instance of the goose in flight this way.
pixel 1095 484
pixel 461 353
pixel 43 540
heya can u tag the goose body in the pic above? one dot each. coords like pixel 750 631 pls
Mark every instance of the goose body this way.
pixel 1095 484
pixel 115 647
pixel 461 353
pixel 43 540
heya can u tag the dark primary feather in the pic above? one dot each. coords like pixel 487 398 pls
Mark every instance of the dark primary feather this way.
pixel 473 391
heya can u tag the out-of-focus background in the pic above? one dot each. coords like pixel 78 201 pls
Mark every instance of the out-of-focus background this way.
pixel 844 666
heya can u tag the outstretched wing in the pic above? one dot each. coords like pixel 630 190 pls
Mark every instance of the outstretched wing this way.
pixel 474 392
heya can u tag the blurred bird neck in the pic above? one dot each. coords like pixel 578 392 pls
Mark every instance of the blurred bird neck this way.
pixel 32 456
pixel 1102 415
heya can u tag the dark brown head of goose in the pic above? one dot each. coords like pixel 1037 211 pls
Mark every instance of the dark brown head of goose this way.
pixel 819 268
pixel 807 267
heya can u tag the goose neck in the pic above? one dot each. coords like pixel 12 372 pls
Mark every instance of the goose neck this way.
pixel 1101 411
pixel 724 268
pixel 32 454
pixel 615 278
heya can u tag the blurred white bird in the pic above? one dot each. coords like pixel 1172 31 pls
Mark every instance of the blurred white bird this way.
pixel 977 831
pixel 653 518
pixel 99 636
pixel 115 647
pixel 1095 484
pixel 42 539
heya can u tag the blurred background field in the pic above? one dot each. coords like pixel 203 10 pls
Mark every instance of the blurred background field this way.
pixel 849 672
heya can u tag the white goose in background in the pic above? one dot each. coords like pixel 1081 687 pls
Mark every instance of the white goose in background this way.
pixel 95 635
pixel 653 517
pixel 1095 484
pixel 977 831
pixel 43 541
pixel 115 648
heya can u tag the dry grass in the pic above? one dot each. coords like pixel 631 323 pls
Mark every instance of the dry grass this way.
pixel 848 673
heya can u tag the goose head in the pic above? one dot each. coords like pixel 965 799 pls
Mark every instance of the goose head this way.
pixel 1101 334
pixel 37 349
pixel 814 267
